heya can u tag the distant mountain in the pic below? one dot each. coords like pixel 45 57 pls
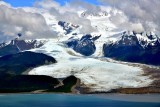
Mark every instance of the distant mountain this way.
pixel 17 45
pixel 135 47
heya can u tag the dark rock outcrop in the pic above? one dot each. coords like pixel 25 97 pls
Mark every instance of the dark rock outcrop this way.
pixel 68 27
pixel 84 46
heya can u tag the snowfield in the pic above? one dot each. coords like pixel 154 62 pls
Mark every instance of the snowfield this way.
pixel 94 73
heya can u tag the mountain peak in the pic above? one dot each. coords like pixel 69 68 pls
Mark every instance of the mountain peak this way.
pixel 143 39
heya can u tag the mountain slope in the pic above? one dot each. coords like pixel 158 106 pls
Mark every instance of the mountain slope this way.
pixel 16 64
pixel 18 45
pixel 81 55
pixel 133 47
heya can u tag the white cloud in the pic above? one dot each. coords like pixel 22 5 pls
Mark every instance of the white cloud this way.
pixel 68 13
pixel 47 4
pixel 145 12
pixel 136 15
pixel 16 20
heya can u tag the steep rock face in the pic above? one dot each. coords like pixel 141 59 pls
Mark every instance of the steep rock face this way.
pixel 20 62
pixel 84 46
pixel 17 45
pixel 134 47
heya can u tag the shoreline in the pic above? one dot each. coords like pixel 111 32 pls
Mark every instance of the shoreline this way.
pixel 145 98
pixel 73 93
pixel 79 88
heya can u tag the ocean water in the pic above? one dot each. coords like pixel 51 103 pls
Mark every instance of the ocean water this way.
pixel 65 100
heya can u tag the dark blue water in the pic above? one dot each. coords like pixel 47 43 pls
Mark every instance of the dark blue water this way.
pixel 62 100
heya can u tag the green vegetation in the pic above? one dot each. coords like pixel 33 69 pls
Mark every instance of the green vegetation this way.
pixel 69 82
pixel 13 66
pixel 30 83
pixel 26 83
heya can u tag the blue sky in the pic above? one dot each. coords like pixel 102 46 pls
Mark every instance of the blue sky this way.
pixel 17 3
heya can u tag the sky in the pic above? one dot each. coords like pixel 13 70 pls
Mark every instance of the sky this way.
pixel 21 3
pixel 133 15
pixel 15 19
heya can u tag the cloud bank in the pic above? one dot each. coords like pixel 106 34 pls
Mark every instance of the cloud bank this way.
pixel 142 14
pixel 68 12
pixel 14 21
pixel 137 15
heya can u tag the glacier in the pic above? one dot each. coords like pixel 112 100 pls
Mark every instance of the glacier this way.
pixel 94 73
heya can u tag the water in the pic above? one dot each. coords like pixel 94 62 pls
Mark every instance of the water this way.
pixel 63 100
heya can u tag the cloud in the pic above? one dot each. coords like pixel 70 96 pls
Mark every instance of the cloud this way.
pixel 88 7
pixel 144 12
pixel 74 18
pixel 68 13
pixel 47 4
pixel 14 21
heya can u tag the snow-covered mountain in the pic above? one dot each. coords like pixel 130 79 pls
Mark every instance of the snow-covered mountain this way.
pixel 84 55
pixel 135 47
pixel 144 39
pixel 19 45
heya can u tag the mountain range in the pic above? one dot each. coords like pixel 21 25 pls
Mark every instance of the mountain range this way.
pixel 106 59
